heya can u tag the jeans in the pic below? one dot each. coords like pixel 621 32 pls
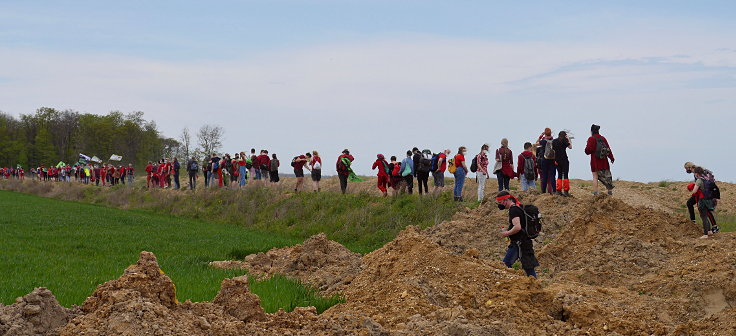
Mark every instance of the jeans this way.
pixel 176 181
pixel 258 174
pixel 459 181
pixel 422 179
pixel 547 178
pixel 512 255
pixel 130 179
pixel 503 181
pixel 242 176
pixel 482 177
pixel 343 182
pixel 209 181
pixel 192 180
pixel 527 184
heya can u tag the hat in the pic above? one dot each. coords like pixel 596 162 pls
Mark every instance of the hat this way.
pixel 380 156
pixel 345 151
pixel 595 128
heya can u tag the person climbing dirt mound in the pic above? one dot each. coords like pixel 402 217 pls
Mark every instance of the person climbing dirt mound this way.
pixel 323 263
pixel 37 313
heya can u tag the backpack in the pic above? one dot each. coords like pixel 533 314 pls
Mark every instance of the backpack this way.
pixel 530 172
pixel 601 149
pixel 549 151
pixel 248 163
pixel 434 165
pixel 474 164
pixel 425 161
pixel 451 166
pixel 194 166
pixel 293 161
pixel 216 165
pixel 397 170
pixel 385 167
pixel 532 226
pixel 711 190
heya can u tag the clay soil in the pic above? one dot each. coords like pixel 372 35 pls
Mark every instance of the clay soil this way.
pixel 631 264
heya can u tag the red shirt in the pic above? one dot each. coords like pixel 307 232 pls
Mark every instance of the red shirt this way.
pixel 382 165
pixel 597 164
pixel 301 161
pixel 263 160
pixel 130 170
pixel 520 163
pixel 149 169
pixel 316 159
pixel 443 165
pixel 459 159
pixel 339 165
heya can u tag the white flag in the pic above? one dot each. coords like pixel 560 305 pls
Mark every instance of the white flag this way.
pixel 95 159
pixel 115 157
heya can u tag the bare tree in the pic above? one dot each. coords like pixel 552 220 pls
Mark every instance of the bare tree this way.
pixel 210 138
pixel 185 141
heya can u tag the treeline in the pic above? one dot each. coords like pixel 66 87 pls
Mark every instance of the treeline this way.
pixel 50 136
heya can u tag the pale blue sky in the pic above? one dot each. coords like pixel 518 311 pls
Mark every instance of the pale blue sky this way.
pixel 384 76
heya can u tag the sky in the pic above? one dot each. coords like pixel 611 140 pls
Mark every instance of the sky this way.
pixel 385 76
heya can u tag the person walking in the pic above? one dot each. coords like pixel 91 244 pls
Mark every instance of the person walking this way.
pixel 264 164
pixel 423 166
pixel 207 170
pixel 461 170
pixel 130 173
pixel 395 178
pixel 383 173
pixel 274 169
pixel 546 161
pixel 706 205
pixel 407 172
pixel 342 166
pixel 505 157
pixel 439 167
pixel 600 152
pixel 192 171
pixel 561 144
pixel 481 175
pixel 526 168
pixel 298 163
pixel 315 166
pixel 690 169
pixel 521 247
pixel 175 166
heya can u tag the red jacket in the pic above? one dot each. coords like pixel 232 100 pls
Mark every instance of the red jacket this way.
pixel 382 165
pixel 263 160
pixel 597 164
pixel 520 163
pixel 507 161
pixel 340 168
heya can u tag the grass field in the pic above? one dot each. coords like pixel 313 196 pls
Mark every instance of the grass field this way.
pixel 72 247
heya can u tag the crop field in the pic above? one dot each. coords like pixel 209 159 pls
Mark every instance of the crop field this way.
pixel 72 247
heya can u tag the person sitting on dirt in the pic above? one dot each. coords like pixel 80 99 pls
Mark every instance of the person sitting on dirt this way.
pixel 689 167
pixel 521 246
pixel 383 173
pixel 599 151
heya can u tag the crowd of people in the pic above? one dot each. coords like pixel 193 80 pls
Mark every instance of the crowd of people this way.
pixel 97 174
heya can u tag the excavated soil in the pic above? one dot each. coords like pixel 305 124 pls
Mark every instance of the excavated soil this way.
pixel 621 265
pixel 323 263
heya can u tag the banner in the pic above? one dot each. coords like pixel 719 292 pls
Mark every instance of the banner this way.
pixel 95 159
pixel 60 164
pixel 115 157
pixel 85 157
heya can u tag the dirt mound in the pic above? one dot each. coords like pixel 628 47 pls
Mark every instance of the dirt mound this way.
pixel 413 286
pixel 37 313
pixel 323 263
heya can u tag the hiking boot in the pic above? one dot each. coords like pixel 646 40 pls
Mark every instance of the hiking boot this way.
pixel 610 193
pixel 559 193
pixel 567 193
pixel 715 229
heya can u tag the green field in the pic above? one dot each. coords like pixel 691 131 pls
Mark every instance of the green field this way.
pixel 72 247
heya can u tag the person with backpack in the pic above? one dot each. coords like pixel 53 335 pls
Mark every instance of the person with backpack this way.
pixel 192 171
pixel 439 165
pixel 526 168
pixel 215 176
pixel 561 145
pixel 523 226
pixel 175 167
pixel 274 173
pixel 253 166
pixel 546 161
pixel 689 168
pixel 423 165
pixel 383 172
pixel 504 168
pixel 600 152
pixel 206 170
pixel 343 169
pixel 480 167
pixel 264 164
pixel 702 192
pixel 130 172
pixel 461 170
pixel 395 180
pixel 315 166
pixel 407 171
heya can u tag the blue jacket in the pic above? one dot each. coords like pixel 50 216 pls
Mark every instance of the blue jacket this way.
pixel 408 161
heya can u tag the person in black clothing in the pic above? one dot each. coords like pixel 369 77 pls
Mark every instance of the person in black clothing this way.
pixel 521 247
pixel 176 167
pixel 422 174
pixel 192 169
pixel 560 145
pixel 206 168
